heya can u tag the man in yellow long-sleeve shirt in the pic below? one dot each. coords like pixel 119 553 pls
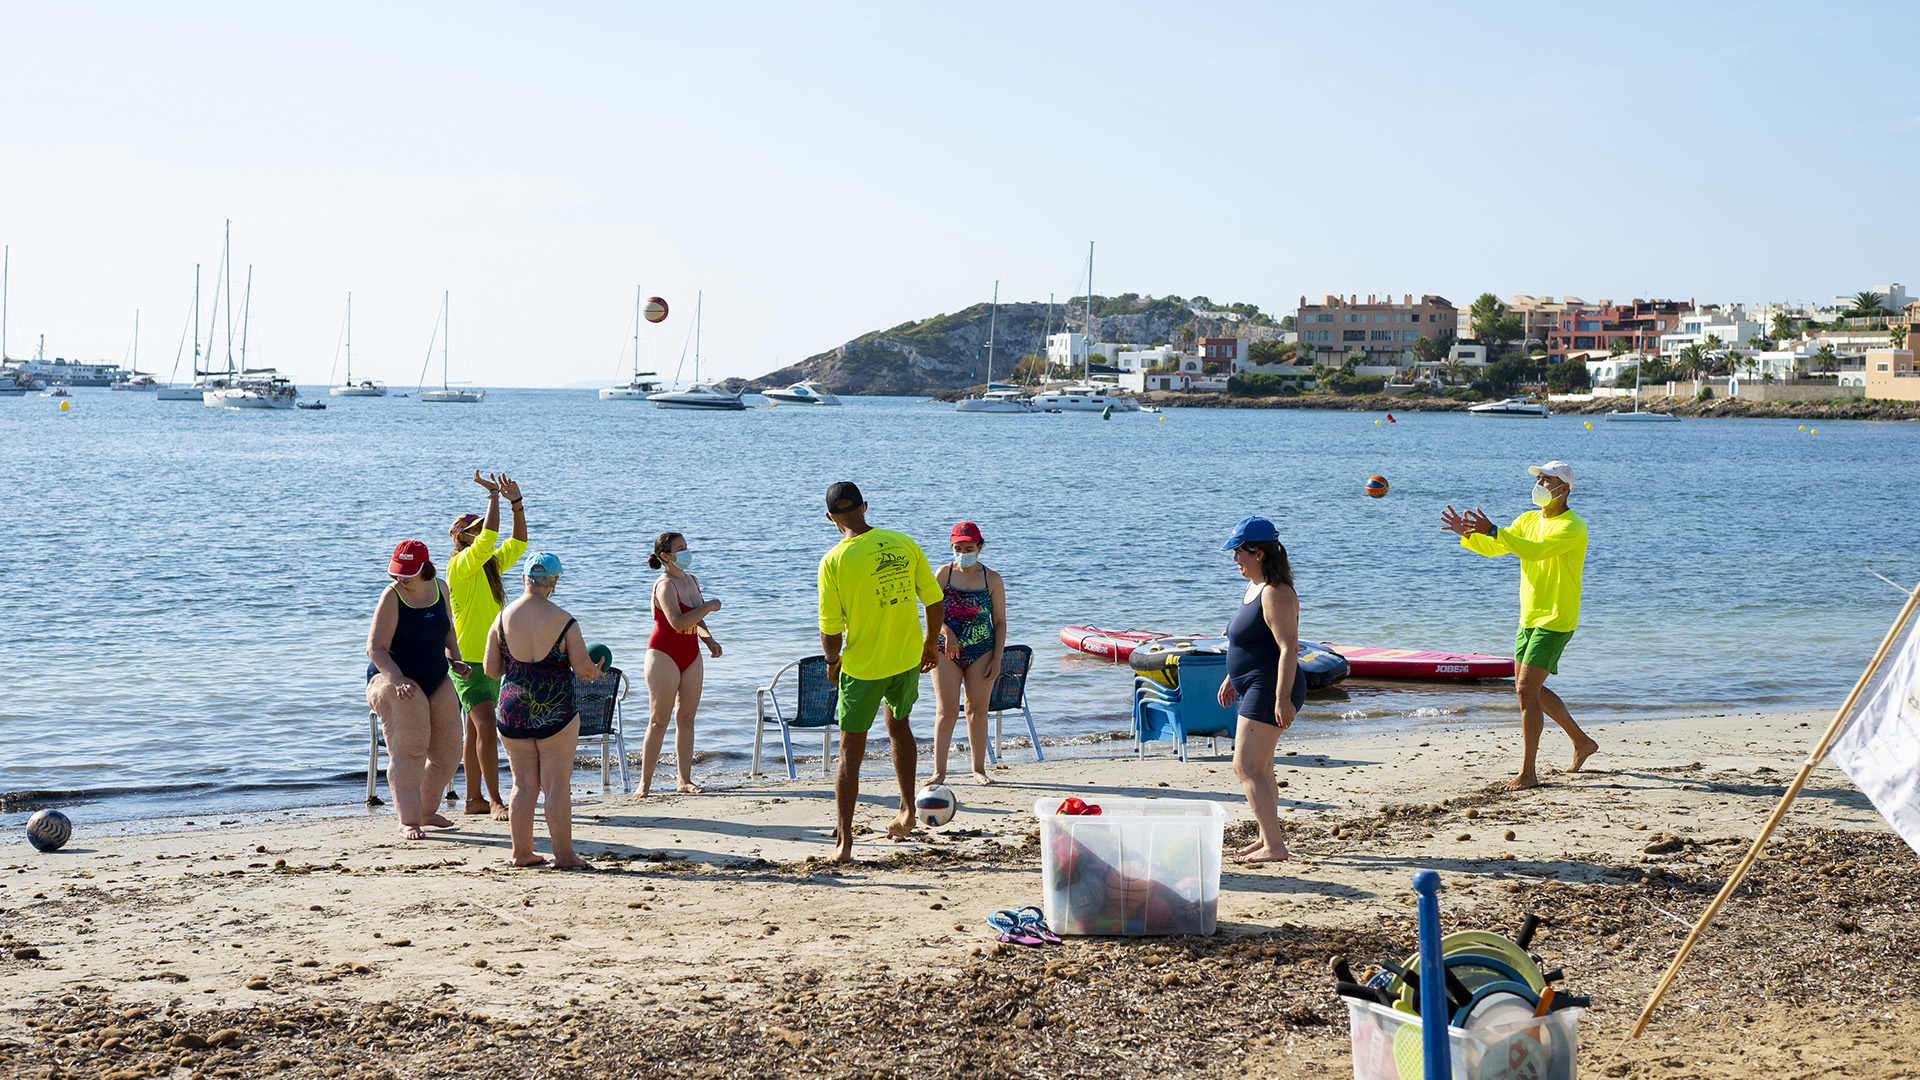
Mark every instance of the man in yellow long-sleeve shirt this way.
pixel 1551 543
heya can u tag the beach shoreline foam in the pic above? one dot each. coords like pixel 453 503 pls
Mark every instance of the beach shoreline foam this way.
pixel 715 932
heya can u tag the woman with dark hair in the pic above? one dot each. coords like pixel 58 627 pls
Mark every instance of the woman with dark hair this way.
pixel 971 642
pixel 474 586
pixel 410 648
pixel 673 669
pixel 1263 655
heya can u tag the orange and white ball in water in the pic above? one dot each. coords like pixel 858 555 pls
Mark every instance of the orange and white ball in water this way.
pixel 655 309
pixel 1377 486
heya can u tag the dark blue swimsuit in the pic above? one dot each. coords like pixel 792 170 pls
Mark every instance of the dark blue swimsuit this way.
pixel 419 645
pixel 1253 664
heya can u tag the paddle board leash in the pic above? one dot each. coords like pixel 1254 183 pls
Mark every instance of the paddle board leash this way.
pixel 1433 978
pixel 1814 757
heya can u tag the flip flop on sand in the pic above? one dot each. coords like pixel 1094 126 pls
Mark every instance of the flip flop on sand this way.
pixel 1007 928
pixel 1034 921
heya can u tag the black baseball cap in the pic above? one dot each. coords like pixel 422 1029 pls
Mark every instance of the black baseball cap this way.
pixel 844 497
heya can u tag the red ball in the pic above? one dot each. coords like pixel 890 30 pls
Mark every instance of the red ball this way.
pixel 1377 486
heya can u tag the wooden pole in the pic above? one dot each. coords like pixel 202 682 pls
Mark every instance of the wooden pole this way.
pixel 1779 812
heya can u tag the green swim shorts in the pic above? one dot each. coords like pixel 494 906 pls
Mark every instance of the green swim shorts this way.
pixel 475 688
pixel 1536 646
pixel 860 698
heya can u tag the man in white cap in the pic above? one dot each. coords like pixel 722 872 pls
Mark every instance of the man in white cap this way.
pixel 1551 543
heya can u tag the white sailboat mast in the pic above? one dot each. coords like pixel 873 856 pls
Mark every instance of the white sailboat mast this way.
pixel 6 266
pixel 1088 362
pixel 993 318
pixel 349 339
pixel 246 316
pixel 446 335
pixel 699 300
pixel 227 256
pixel 637 291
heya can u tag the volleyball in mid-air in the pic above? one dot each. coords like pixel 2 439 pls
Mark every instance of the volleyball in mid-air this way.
pixel 655 309
pixel 48 830
pixel 1377 486
pixel 935 806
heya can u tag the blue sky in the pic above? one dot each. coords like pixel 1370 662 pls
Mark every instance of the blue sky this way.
pixel 820 170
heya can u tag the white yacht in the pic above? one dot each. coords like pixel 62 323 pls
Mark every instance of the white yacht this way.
pixel 996 401
pixel 444 331
pixel 1513 406
pixel 802 393
pixel 1085 397
pixel 271 392
pixel 699 395
pixel 1636 416
pixel 365 387
pixel 637 388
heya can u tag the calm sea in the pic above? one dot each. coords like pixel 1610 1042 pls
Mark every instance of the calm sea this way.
pixel 193 586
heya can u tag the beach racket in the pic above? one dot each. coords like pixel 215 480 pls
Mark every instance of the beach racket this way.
pixel 1499 1000
pixel 1466 973
pixel 1409 1054
pixel 1485 941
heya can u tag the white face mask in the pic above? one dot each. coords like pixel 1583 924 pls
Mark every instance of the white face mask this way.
pixel 683 559
pixel 1542 495
pixel 966 559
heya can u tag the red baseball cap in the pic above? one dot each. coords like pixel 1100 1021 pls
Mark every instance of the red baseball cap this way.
pixel 409 558
pixel 966 530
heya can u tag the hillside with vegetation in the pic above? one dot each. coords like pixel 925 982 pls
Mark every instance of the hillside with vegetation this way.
pixel 948 352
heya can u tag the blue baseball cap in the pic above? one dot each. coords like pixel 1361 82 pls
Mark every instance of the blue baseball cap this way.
pixel 1252 530
pixel 547 564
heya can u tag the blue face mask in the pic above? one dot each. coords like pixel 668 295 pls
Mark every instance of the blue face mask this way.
pixel 966 559
pixel 682 559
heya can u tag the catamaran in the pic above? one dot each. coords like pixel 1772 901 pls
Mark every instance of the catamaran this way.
pixel 997 399
pixel 443 330
pixel 1086 395
pixel 249 388
pixel 365 387
pixel 699 395
pixel 637 388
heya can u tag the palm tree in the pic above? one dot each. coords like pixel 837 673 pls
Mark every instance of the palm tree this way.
pixel 1867 302
pixel 1899 336
pixel 1782 326
pixel 1825 358
pixel 1691 362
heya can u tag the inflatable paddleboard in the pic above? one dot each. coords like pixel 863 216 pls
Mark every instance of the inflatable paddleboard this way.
pixel 1370 663
pixel 1159 660
pixel 1112 644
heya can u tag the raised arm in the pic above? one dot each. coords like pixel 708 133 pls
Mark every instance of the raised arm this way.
pixel 511 489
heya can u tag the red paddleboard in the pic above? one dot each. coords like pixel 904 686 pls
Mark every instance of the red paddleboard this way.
pixel 1412 664
pixel 1112 644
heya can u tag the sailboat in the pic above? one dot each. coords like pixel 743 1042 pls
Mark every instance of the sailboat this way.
pixel 1085 396
pixel 699 395
pixel 997 399
pixel 366 387
pixel 1636 416
pixel 135 378
pixel 444 330
pixel 173 391
pixel 636 389
pixel 250 388
pixel 13 381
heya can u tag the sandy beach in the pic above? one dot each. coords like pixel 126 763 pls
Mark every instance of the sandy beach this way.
pixel 715 940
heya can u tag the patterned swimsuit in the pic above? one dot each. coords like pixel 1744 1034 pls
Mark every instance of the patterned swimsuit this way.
pixel 969 614
pixel 536 698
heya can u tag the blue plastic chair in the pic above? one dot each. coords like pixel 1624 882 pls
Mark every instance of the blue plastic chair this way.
pixel 815 708
pixel 597 703
pixel 1009 693
pixel 1175 713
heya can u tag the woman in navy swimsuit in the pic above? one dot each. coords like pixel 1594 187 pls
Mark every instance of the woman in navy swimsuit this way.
pixel 535 716
pixel 410 648
pixel 1263 654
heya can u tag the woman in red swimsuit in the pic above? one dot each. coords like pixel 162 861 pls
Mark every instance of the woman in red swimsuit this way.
pixel 673 667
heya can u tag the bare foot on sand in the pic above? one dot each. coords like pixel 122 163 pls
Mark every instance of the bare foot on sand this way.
pixel 935 779
pixel 500 812
pixel 1249 848
pixel 440 821
pixel 691 788
pixel 412 832
pixel 1261 853
pixel 901 827
pixel 1581 752
pixel 1525 780
pixel 531 860
pixel 573 863
pixel 476 807
pixel 982 779
pixel 842 847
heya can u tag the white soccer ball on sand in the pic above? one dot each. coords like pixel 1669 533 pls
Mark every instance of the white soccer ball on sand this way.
pixel 935 806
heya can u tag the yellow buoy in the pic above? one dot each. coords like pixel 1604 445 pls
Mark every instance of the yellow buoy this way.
pixel 1589 424
pixel 1810 431
pixel 64 404
pixel 1803 427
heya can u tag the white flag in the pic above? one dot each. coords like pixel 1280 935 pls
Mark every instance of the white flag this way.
pixel 1880 748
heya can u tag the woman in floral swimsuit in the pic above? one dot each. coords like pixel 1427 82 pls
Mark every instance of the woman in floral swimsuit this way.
pixel 970 646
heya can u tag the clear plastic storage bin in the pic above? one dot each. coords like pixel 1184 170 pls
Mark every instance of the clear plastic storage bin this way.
pixel 1140 867
pixel 1387 1046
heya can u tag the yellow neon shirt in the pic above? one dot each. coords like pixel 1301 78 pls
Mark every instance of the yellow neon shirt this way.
pixel 474 608
pixel 873 588
pixel 1552 553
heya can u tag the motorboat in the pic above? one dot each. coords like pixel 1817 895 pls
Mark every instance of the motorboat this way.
pixel 1513 406
pixel 139 381
pixel 802 393
pixel 314 404
pixel 272 392
pixel 444 331
pixel 1085 397
pixel 698 396
pixel 1638 417
pixel 57 391
pixel 996 401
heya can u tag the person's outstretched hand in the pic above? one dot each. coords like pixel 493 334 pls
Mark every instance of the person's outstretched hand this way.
pixel 1473 521
pixel 509 487
pixel 488 482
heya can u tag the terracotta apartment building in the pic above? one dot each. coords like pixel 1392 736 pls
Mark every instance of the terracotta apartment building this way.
pixel 1639 324
pixel 1382 329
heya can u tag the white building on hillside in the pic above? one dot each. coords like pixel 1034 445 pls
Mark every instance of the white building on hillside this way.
pixel 1071 350
pixel 1730 324
pixel 1139 359
pixel 1893 298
